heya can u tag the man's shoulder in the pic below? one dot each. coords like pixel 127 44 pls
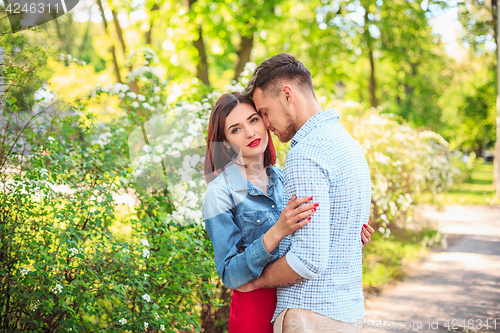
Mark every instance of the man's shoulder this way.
pixel 310 148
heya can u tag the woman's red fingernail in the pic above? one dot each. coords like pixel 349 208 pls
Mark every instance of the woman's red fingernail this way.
pixel 369 220
pixel 309 218
pixel 316 204
pixel 364 225
pixel 310 198
pixel 314 209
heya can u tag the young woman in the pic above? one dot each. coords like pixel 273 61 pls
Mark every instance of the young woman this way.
pixel 242 208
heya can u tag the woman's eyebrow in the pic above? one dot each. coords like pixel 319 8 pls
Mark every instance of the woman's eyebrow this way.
pixel 253 114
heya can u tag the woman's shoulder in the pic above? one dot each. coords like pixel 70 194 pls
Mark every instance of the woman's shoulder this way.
pixel 278 172
pixel 218 184
pixel 216 198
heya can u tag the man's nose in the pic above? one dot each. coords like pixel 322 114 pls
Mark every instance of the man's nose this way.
pixel 266 122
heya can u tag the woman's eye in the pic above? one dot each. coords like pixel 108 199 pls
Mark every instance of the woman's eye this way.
pixel 234 130
pixel 252 121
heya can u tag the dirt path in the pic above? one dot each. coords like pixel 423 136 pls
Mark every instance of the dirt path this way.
pixel 461 282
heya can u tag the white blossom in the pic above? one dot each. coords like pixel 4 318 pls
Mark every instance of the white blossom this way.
pixel 57 289
pixel 131 94
pixel 156 315
pixel 144 242
pixel 146 297
pixel 25 271
pixel 145 253
pixel 146 325
pixel 141 98
pixel 126 250
pixel 135 104
pixel 122 321
pixel 73 251
pixel 43 172
pixel 162 328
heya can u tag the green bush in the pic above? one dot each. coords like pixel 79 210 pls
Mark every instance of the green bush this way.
pixel 63 266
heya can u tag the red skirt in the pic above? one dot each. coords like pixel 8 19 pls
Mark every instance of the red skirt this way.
pixel 252 312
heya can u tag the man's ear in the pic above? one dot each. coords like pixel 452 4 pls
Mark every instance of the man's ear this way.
pixel 287 93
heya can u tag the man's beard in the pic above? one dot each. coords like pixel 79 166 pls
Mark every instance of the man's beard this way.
pixel 289 131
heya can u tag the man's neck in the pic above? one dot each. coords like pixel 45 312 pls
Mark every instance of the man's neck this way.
pixel 310 108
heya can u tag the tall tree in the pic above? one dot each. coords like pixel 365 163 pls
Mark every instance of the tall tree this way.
pixel 202 65
pixel 112 47
pixel 480 20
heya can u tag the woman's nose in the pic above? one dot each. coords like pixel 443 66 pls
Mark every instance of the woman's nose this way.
pixel 250 132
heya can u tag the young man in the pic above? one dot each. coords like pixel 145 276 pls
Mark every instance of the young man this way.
pixel 318 275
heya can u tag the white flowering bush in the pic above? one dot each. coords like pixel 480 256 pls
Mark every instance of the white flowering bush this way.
pixel 64 267
pixel 404 163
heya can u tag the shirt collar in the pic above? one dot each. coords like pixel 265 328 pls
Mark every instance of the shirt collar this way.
pixel 318 119
pixel 238 182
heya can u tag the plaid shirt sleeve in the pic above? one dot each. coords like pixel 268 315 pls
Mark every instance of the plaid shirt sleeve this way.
pixel 309 249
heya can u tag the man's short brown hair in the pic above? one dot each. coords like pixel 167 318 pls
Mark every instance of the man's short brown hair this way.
pixel 271 73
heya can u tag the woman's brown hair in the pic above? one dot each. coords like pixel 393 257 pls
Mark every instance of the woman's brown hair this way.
pixel 216 156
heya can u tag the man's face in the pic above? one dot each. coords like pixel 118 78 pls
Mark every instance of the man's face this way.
pixel 277 119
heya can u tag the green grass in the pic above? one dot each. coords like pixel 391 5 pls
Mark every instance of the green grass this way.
pixel 478 190
pixel 387 259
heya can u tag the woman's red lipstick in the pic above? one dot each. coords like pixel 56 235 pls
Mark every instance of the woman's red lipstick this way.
pixel 254 143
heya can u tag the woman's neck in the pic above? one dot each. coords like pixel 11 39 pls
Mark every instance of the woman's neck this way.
pixel 254 170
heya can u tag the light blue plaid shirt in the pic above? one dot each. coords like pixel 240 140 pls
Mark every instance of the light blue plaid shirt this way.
pixel 325 162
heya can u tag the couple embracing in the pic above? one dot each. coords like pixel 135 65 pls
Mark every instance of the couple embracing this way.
pixel 288 242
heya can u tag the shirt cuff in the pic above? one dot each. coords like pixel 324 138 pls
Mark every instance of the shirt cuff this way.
pixel 260 254
pixel 299 266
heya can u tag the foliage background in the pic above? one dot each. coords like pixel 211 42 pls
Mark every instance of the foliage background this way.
pixel 86 246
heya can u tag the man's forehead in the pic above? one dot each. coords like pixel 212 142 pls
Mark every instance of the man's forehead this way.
pixel 259 98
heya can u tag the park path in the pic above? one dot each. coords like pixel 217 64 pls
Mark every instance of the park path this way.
pixel 461 282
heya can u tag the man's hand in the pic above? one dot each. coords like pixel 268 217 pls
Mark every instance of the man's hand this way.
pixel 247 287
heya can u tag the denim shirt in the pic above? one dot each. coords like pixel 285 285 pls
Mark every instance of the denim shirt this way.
pixel 237 214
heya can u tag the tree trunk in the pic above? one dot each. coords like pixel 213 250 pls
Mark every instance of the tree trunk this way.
pixel 133 84
pixel 496 156
pixel 151 22
pixel 86 35
pixel 368 41
pixel 65 45
pixel 119 32
pixel 373 98
pixel 112 48
pixel 244 50
pixel 202 65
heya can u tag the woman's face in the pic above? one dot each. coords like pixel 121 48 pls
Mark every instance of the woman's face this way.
pixel 245 131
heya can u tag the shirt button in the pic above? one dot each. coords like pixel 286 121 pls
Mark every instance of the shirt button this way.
pixel 258 220
pixel 272 206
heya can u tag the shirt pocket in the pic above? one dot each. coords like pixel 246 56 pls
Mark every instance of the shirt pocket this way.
pixel 254 224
